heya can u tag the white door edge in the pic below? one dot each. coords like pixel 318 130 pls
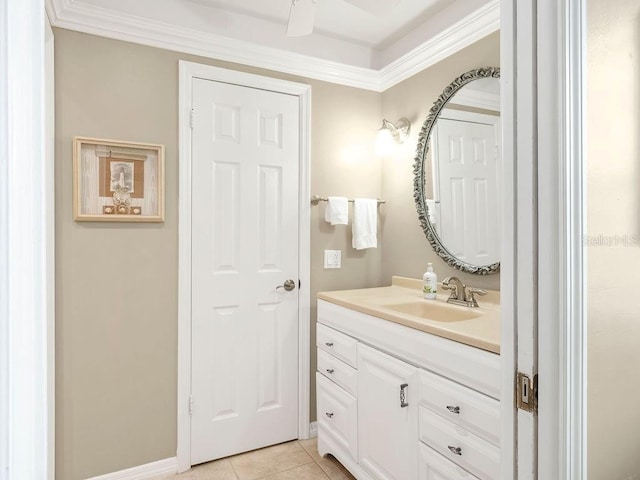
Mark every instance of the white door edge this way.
pixel 50 144
pixel 187 72
pixel 508 339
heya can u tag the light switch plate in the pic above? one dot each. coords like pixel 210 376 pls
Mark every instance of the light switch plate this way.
pixel 332 258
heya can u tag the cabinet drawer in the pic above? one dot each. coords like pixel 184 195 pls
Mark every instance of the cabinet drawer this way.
pixel 471 410
pixel 338 371
pixel 337 415
pixel 337 344
pixel 459 445
pixel 434 466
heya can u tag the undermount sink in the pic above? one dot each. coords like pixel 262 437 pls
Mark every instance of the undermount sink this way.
pixel 437 312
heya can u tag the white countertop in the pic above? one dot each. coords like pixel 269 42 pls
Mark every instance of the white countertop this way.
pixel 481 332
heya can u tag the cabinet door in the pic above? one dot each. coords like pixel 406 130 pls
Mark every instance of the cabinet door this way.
pixel 387 416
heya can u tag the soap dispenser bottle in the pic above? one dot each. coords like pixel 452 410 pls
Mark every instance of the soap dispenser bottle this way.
pixel 429 283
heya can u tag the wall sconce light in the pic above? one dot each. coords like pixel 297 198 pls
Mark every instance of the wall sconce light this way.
pixel 390 134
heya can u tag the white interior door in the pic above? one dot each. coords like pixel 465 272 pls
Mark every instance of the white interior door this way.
pixel 467 171
pixel 244 384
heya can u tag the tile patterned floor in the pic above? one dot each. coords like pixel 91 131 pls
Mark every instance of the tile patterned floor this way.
pixel 297 460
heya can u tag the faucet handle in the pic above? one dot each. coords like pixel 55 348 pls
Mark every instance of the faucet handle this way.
pixel 476 291
pixel 456 286
pixel 453 288
pixel 472 292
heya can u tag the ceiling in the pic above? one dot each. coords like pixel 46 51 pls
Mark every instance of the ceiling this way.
pixel 348 45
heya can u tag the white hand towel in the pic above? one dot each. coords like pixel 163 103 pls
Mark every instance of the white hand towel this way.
pixel 433 216
pixel 337 211
pixel 365 223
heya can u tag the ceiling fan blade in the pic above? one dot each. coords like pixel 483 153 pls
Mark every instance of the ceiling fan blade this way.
pixel 301 17
pixel 378 8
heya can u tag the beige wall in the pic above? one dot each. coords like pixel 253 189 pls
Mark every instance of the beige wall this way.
pixel 613 215
pixel 406 250
pixel 116 284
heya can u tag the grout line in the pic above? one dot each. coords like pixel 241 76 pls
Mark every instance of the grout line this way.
pixel 311 460
pixel 322 469
pixel 235 472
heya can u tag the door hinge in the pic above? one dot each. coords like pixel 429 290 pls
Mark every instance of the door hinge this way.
pixel 190 405
pixel 527 393
pixel 192 116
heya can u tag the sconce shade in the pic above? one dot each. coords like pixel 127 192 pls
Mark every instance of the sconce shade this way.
pixel 390 133
pixel 399 131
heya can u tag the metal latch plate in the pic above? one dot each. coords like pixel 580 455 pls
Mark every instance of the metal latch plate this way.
pixel 527 393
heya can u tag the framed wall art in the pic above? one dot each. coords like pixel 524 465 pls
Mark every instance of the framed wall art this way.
pixel 116 181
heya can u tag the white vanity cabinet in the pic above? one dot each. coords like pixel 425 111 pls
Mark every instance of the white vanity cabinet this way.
pixel 396 403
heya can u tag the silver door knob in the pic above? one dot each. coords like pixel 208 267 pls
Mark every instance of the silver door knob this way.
pixel 288 285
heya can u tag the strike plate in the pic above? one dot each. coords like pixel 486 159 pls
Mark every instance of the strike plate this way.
pixel 527 393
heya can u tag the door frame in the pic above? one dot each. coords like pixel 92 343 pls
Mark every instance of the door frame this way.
pixel 27 242
pixel 543 304
pixel 562 421
pixel 188 71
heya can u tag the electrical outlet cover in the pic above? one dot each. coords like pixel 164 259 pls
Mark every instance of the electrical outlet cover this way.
pixel 332 258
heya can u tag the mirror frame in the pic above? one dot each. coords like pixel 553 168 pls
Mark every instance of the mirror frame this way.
pixel 418 171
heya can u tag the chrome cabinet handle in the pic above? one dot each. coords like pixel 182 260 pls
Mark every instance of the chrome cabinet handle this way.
pixel 455 450
pixel 403 395
pixel 452 409
pixel 330 370
pixel 328 414
pixel 288 285
pixel 329 344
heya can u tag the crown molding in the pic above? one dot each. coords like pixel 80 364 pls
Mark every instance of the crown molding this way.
pixel 121 26
pixel 467 31
pixel 74 15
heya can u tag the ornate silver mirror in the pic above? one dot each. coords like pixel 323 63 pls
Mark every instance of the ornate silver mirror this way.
pixel 457 173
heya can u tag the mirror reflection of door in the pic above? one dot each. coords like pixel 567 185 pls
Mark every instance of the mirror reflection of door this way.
pixel 466 181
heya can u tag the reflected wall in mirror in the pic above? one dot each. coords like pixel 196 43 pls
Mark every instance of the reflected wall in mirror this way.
pixel 457 173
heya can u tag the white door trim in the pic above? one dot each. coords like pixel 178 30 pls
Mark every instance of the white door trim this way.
pixel 562 267
pixel 26 242
pixel 189 71
pixel 554 45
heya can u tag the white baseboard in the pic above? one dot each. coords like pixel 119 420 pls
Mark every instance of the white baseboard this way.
pixel 163 467
pixel 143 472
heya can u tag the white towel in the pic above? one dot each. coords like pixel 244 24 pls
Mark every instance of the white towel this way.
pixel 434 214
pixel 337 211
pixel 431 207
pixel 365 223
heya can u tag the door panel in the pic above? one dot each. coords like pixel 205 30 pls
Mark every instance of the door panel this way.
pixel 467 186
pixel 245 145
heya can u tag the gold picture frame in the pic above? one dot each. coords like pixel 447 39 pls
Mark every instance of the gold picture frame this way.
pixel 116 181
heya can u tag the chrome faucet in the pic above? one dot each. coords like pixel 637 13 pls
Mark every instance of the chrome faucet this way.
pixel 461 294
